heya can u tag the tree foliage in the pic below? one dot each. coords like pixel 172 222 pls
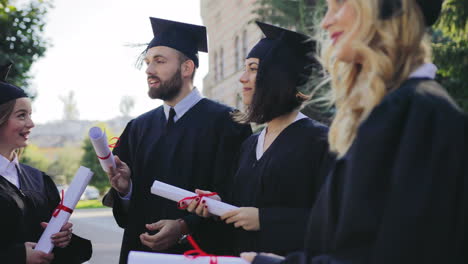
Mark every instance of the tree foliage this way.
pixel 21 37
pixel 34 157
pixel 450 36
pixel 70 108
pixel 450 46
pixel 66 164
pixel 126 105
pixel 89 160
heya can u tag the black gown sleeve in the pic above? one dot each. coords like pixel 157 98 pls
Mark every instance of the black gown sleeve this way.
pixel 79 250
pixel 425 214
pixel 11 253
pixel 229 140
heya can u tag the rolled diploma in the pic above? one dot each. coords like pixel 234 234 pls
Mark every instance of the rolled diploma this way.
pixel 99 140
pixel 70 199
pixel 176 194
pixel 136 257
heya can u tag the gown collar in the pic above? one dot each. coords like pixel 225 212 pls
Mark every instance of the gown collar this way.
pixel 261 137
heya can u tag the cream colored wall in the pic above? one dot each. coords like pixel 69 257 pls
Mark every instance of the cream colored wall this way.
pixel 226 19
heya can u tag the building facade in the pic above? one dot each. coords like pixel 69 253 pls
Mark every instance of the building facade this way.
pixel 231 35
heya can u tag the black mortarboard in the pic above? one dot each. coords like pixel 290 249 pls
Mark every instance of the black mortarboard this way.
pixel 8 91
pixel 286 61
pixel 289 50
pixel 186 38
pixel 430 9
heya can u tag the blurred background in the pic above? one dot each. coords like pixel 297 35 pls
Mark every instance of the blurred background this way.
pixel 77 60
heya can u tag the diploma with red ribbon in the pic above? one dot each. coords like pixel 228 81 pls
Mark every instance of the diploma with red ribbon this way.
pixel 195 256
pixel 65 208
pixel 177 194
pixel 99 140
pixel 137 257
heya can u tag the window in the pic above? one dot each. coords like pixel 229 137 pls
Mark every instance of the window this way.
pixel 237 52
pixel 221 64
pixel 244 44
pixel 215 66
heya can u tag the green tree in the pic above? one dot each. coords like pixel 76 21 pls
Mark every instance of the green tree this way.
pixel 21 37
pixel 63 169
pixel 70 108
pixel 33 157
pixel 90 160
pixel 450 37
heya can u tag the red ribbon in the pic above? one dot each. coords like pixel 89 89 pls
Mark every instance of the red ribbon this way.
pixel 106 157
pixel 198 252
pixel 180 206
pixel 61 207
pixel 113 145
pixel 116 144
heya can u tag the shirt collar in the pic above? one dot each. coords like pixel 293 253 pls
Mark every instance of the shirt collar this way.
pixel 6 164
pixel 426 70
pixel 184 105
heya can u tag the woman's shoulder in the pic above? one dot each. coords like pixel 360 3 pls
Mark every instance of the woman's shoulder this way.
pixel 424 93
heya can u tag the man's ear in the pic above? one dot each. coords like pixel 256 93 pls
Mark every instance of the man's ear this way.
pixel 187 68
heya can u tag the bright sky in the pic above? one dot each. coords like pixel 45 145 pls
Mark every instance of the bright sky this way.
pixel 89 55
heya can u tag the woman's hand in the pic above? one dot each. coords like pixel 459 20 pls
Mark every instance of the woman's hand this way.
pixel 200 207
pixel 62 238
pixel 36 257
pixel 245 217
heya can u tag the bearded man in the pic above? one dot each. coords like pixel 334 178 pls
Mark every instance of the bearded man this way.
pixel 190 142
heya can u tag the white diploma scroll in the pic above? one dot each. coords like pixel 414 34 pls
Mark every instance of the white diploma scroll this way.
pixel 99 140
pixel 61 216
pixel 136 257
pixel 176 194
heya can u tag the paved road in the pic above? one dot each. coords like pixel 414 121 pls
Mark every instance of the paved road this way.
pixel 99 226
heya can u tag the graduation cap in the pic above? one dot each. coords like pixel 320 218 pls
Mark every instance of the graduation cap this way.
pixel 282 48
pixel 8 91
pixel 186 38
pixel 430 9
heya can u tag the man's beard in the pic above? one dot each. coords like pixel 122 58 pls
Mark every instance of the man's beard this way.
pixel 169 89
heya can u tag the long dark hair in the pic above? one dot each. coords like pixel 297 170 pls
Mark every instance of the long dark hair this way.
pixel 276 87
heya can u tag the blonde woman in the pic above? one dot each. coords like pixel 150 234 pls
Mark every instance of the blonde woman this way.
pixel 398 192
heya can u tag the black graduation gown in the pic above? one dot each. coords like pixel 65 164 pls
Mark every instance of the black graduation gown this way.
pixel 400 193
pixel 22 212
pixel 198 152
pixel 283 184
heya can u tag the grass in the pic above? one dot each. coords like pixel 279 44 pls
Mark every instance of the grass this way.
pixel 89 204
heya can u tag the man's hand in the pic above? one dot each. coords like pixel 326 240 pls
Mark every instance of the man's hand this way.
pixel 36 257
pixel 119 177
pixel 62 238
pixel 169 233
pixel 245 217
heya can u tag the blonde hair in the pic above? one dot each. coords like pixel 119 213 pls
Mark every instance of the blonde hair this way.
pixel 388 51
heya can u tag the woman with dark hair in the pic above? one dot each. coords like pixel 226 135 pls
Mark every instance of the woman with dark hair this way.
pixel 282 168
pixel 399 191
pixel 28 196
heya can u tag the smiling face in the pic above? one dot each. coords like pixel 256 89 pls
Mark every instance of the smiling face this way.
pixel 14 133
pixel 248 79
pixel 339 22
